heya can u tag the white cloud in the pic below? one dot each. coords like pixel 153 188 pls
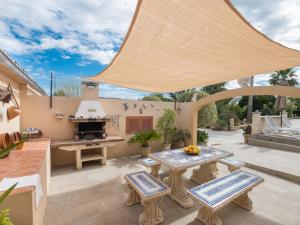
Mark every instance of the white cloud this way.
pixel 91 28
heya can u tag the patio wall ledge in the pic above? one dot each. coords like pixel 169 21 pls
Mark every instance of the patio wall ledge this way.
pixel 33 158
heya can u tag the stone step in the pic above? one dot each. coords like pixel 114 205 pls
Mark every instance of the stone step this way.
pixel 284 175
pixel 278 139
pixel 274 145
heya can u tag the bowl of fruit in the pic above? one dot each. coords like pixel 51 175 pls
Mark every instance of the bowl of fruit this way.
pixel 192 150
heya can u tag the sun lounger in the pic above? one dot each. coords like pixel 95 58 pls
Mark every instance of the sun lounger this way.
pixel 288 124
pixel 273 128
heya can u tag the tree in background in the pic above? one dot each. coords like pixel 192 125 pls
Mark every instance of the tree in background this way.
pixel 208 115
pixel 285 77
pixel 214 88
pixel 68 88
pixel 156 97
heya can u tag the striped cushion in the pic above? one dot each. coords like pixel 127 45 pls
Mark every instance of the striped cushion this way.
pixel 221 190
pixel 145 184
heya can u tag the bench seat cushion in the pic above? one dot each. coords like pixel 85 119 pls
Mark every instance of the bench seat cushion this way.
pixel 219 192
pixel 146 185
pixel 232 162
pixel 149 162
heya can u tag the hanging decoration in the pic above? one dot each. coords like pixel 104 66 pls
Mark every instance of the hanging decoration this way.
pixel 13 111
pixel 5 96
pixel 126 107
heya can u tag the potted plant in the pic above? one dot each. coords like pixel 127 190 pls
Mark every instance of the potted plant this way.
pixel 143 138
pixel 202 137
pixel 166 126
pixel 4 213
pixel 247 132
pixel 179 138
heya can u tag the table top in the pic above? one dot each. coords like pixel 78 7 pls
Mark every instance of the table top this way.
pixel 179 160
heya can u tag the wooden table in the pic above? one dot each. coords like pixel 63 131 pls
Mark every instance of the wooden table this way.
pixel 178 162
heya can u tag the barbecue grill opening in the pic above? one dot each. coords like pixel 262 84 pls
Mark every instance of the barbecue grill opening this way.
pixel 91 130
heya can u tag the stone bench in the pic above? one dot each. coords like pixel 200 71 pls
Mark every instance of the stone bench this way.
pixel 232 164
pixel 218 193
pixel 148 190
pixel 155 166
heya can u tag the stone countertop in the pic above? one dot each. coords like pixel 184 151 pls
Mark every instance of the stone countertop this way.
pixel 26 161
pixel 59 143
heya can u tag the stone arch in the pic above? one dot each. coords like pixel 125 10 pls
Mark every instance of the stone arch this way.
pixel 246 91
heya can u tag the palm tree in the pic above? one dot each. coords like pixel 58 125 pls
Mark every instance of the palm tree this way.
pixel 285 77
pixel 182 96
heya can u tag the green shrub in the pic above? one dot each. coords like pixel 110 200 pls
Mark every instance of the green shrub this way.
pixel 202 136
pixel 166 125
pixel 144 137
pixel 231 111
pixel 180 135
pixel 4 217
pixel 208 115
pixel 151 98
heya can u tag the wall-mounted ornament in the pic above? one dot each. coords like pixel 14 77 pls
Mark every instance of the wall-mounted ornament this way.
pixel 141 111
pixel 5 96
pixel 178 110
pixel 126 107
pixel 152 105
pixel 13 112
pixel 59 116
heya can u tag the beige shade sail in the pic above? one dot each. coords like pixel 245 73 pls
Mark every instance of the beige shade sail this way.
pixel 173 45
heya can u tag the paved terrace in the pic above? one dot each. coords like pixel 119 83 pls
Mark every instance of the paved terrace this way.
pixel 272 160
pixel 97 195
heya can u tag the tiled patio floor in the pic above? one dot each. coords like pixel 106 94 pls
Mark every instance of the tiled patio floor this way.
pixel 96 196
pixel 278 160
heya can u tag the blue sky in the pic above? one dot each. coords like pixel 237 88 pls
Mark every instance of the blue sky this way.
pixel 75 39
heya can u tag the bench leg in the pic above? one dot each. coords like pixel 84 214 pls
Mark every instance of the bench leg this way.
pixel 208 217
pixel 104 153
pixel 244 201
pixel 178 190
pixel 152 214
pixel 133 197
pixel 78 160
pixel 205 173
pixel 155 171
pixel 233 168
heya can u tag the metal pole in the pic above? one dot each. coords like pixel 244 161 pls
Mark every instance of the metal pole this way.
pixel 51 83
pixel 250 103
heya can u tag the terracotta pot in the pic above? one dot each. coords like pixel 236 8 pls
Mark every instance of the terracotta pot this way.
pixel 179 144
pixel 145 151
pixel 15 137
pixel 13 112
pixel 4 140
pixel 18 136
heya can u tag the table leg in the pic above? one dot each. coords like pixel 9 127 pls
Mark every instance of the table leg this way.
pixel 178 190
pixel 205 173
pixel 104 153
pixel 155 171
pixel 78 160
